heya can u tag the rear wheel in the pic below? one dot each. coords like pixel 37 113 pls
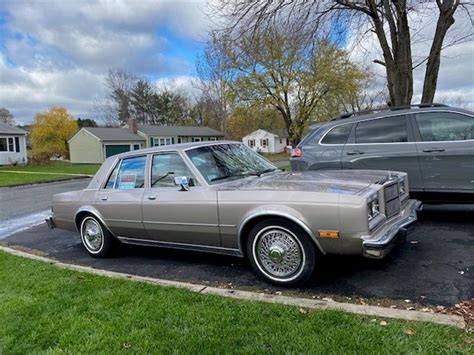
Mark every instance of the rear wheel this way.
pixel 96 239
pixel 281 252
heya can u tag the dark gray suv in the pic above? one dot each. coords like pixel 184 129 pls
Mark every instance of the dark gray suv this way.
pixel 434 144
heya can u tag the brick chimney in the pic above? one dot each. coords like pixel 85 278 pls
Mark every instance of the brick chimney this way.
pixel 132 125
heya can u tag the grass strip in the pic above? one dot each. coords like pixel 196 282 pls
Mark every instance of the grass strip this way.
pixel 47 309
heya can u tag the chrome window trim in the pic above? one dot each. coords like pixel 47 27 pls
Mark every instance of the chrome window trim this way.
pixel 398 114
pixel 335 144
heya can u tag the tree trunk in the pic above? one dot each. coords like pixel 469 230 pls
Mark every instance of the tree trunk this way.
pixel 445 21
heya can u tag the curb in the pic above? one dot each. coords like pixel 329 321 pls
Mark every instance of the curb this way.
pixel 444 319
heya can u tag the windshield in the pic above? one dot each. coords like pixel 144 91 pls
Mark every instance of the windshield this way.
pixel 227 162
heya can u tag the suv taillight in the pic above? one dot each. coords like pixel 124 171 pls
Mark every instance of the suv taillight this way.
pixel 296 153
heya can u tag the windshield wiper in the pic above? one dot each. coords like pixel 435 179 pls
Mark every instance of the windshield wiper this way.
pixel 259 173
pixel 243 174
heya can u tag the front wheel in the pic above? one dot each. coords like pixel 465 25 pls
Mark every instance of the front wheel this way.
pixel 281 252
pixel 96 239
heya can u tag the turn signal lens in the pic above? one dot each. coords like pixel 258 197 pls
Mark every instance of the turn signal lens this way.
pixel 329 234
pixel 296 153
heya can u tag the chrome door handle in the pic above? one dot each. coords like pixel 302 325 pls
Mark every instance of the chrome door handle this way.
pixel 434 150
pixel 151 197
pixel 103 198
pixel 354 152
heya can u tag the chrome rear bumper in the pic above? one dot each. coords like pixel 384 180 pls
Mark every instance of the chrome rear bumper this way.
pixel 50 222
pixel 379 245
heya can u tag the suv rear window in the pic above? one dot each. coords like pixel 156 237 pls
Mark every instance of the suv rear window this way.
pixel 337 135
pixel 382 130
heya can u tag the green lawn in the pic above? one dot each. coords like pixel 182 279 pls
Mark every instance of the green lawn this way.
pixel 47 309
pixel 277 156
pixel 58 168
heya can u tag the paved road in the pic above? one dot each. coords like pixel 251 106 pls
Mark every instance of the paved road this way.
pixel 436 266
pixel 20 201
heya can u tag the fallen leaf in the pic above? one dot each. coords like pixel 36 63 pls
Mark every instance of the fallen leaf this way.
pixel 410 308
pixel 328 299
pixel 467 341
pixel 408 332
pixel 278 293
pixel 393 306
pixel 303 311
pixel 414 242
pixel 439 308
pixel 461 272
pixel 425 309
pixel 373 320
pixel 407 301
pixel 383 323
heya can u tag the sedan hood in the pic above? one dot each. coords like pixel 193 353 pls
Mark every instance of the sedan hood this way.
pixel 337 181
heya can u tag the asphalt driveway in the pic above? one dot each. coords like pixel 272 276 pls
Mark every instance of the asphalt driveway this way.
pixel 436 266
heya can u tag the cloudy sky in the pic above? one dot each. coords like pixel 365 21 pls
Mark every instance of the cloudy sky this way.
pixel 56 53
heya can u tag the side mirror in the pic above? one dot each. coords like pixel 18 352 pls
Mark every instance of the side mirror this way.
pixel 182 181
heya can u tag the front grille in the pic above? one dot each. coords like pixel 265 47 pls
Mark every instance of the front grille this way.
pixel 392 200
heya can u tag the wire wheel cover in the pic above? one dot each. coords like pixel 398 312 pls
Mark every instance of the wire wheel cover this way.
pixel 279 253
pixel 92 235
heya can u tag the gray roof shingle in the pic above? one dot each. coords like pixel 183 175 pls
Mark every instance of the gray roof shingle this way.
pixel 188 131
pixel 113 134
pixel 5 129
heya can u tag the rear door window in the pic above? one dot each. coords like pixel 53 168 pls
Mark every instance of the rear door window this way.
pixel 131 174
pixel 382 130
pixel 337 135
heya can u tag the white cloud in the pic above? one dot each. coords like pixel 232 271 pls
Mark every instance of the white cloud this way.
pixel 57 52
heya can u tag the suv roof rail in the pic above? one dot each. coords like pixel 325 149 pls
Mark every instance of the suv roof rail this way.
pixel 386 108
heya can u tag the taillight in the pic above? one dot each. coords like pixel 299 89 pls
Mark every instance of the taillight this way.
pixel 296 153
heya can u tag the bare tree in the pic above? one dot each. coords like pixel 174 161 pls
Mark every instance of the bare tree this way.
pixel 6 117
pixel 388 19
pixel 213 78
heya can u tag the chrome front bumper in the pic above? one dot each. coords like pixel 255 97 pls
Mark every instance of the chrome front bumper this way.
pixel 381 243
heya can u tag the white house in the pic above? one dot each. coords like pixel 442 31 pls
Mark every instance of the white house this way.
pixel 266 141
pixel 12 145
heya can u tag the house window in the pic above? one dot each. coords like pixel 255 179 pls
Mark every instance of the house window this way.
pixel 11 145
pixel 264 142
pixel 179 140
pixel 17 144
pixel 3 145
pixel 212 139
pixel 197 139
pixel 136 146
pixel 251 143
pixel 159 141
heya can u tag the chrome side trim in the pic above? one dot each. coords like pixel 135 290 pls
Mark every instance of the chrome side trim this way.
pixel 183 224
pixel 183 246
pixel 273 213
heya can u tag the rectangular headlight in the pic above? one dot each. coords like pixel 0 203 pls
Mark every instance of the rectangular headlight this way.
pixel 373 208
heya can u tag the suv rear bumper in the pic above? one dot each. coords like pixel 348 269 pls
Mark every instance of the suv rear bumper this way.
pixel 379 245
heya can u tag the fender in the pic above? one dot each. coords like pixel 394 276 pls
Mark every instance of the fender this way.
pixel 276 211
pixel 91 210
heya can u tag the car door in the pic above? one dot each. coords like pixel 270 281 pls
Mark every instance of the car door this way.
pixel 172 214
pixel 119 201
pixel 384 143
pixel 446 150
